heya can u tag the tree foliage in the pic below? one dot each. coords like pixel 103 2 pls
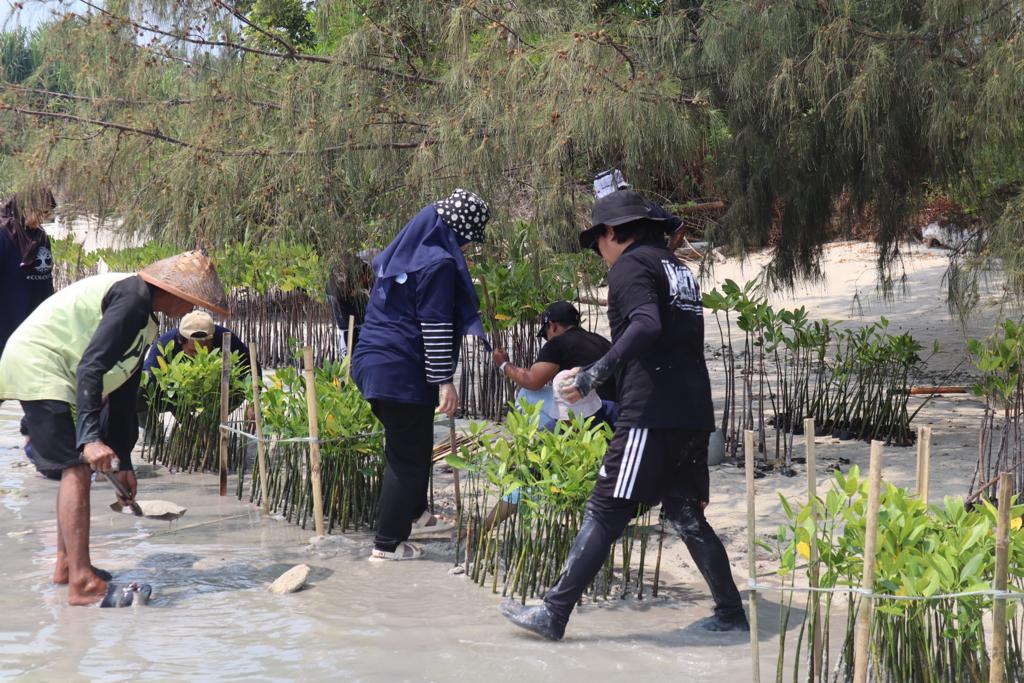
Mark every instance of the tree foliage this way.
pixel 845 110
pixel 204 121
pixel 193 132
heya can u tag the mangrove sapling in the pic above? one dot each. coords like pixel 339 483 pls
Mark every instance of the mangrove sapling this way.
pixel 189 387
pixel 1000 360
pixel 514 283
pixel 553 474
pixel 351 444
pixel 922 551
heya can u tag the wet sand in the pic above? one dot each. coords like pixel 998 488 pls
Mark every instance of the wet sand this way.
pixel 211 618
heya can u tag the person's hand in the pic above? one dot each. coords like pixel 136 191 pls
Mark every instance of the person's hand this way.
pixel 129 481
pixel 99 456
pixel 499 356
pixel 449 400
pixel 568 390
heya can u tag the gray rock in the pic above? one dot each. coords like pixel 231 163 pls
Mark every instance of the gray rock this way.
pixel 291 581
pixel 154 509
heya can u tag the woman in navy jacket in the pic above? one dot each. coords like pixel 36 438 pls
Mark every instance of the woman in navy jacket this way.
pixel 422 303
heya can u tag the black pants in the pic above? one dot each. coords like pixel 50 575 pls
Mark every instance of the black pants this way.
pixel 605 518
pixel 408 443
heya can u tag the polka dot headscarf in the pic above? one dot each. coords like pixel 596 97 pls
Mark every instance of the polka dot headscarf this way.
pixel 465 213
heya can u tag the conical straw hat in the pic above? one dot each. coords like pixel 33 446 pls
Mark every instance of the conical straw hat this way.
pixel 189 276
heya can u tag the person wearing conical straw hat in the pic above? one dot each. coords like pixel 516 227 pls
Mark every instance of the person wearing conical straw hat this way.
pixel 74 364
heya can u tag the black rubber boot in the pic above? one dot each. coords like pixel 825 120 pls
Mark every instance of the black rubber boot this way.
pixel 717 623
pixel 603 522
pixel 534 619
pixel 709 555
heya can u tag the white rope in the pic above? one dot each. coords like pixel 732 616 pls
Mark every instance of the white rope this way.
pixel 854 590
pixel 294 439
pixel 305 439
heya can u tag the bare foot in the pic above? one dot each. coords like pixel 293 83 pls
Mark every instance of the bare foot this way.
pixel 61 573
pixel 88 593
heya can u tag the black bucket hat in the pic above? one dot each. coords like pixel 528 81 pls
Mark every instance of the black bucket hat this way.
pixel 617 208
pixel 559 312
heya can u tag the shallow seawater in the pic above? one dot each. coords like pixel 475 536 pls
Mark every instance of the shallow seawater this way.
pixel 211 617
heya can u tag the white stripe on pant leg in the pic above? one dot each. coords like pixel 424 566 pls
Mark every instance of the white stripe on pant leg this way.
pixel 621 477
pixel 639 458
pixel 629 462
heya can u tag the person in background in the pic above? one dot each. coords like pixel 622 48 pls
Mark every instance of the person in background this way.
pixel 567 346
pixel 348 290
pixel 658 453
pixel 75 365
pixel 26 263
pixel 195 329
pixel 422 304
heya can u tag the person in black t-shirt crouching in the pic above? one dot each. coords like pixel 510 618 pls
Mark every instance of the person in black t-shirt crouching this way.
pixel 567 346
pixel 659 450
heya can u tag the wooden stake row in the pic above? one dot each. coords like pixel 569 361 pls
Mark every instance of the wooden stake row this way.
pixel 314 443
pixel 862 634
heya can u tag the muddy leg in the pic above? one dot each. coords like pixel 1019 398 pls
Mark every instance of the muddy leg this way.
pixel 60 571
pixel 84 588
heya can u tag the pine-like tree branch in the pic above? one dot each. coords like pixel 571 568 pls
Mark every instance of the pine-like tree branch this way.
pixel 297 56
pixel 163 137
pixel 291 50
pixel 175 102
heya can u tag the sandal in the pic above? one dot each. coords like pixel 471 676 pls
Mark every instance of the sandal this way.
pixel 127 595
pixel 404 551
pixel 422 526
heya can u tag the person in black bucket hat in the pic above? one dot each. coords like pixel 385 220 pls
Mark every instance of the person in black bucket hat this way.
pixel 659 451
pixel 621 208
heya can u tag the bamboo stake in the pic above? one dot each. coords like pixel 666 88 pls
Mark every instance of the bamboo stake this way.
pixel 455 470
pixel 812 573
pixel 862 634
pixel 997 666
pixel 924 456
pixel 657 564
pixel 261 447
pixel 225 377
pixel 350 345
pixel 755 656
pixel 314 443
